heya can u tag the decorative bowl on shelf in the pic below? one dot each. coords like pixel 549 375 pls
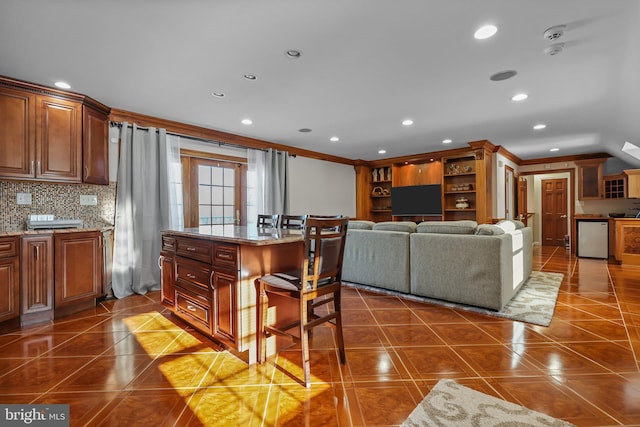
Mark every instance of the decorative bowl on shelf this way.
pixel 462 203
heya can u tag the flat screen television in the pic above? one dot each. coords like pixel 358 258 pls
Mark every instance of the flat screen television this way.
pixel 417 200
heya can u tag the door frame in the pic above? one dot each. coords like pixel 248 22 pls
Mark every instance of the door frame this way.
pixel 571 201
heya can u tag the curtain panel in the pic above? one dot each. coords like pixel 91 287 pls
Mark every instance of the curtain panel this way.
pixel 271 168
pixel 147 201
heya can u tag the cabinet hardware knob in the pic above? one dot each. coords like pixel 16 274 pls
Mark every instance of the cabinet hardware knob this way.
pixel 191 276
pixel 191 308
pixel 160 262
pixel 189 248
pixel 211 279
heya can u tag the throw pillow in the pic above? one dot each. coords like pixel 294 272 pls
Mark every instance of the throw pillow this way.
pixel 448 227
pixel 405 226
pixel 489 230
pixel 507 225
pixel 360 225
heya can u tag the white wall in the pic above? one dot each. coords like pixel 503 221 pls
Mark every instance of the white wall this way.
pixel 322 188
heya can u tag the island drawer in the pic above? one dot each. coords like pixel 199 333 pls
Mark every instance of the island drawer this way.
pixel 193 310
pixel 200 250
pixel 193 272
pixel 168 244
pixel 225 256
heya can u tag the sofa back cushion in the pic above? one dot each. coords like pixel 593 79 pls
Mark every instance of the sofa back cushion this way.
pixel 360 225
pixel 405 226
pixel 448 227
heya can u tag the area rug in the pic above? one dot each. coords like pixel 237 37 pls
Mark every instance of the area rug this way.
pixel 451 404
pixel 534 303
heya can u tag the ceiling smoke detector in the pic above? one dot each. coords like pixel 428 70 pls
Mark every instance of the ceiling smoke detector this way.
pixel 554 49
pixel 554 33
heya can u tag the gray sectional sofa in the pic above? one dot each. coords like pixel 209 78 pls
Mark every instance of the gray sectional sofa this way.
pixel 458 261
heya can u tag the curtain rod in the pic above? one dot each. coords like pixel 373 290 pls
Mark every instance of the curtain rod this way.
pixel 195 138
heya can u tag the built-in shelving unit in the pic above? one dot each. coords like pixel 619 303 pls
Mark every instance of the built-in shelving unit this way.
pixel 459 188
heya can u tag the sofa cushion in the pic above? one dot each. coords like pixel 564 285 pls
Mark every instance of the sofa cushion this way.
pixel 360 225
pixel 405 226
pixel 448 227
pixel 489 230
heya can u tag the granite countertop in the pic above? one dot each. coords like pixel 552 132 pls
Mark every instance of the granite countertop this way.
pixel 240 234
pixel 20 229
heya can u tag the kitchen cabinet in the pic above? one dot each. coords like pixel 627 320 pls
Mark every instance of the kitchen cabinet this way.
pixel 590 182
pixel 9 279
pixel 78 268
pixel 47 134
pixel 633 183
pixel 95 146
pixel 37 280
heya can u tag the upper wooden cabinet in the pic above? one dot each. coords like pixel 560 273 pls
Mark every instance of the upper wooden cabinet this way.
pixel 590 184
pixel 51 135
pixel 633 184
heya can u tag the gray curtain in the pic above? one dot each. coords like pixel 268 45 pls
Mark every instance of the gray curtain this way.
pixel 272 178
pixel 142 208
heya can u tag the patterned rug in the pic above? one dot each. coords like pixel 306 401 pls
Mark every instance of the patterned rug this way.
pixel 534 303
pixel 451 404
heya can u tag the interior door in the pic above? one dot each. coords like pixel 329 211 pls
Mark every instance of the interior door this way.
pixel 554 211
pixel 522 200
pixel 509 193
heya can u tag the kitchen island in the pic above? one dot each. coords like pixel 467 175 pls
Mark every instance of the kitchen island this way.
pixel 208 276
pixel 628 241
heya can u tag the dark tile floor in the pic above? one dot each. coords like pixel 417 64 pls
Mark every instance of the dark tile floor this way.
pixel 128 362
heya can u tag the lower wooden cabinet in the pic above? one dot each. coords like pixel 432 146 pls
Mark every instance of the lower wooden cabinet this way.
pixel 79 272
pixel 225 308
pixel 36 279
pixel 9 278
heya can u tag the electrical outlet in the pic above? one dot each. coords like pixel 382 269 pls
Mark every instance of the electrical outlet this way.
pixel 91 200
pixel 23 198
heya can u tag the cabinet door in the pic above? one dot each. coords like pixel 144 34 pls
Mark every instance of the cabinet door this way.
pixel 167 279
pixel 590 182
pixel 225 309
pixel 37 274
pixel 9 288
pixel 95 147
pixel 17 133
pixel 78 259
pixel 58 140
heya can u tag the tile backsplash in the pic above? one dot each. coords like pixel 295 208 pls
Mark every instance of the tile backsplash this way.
pixel 61 200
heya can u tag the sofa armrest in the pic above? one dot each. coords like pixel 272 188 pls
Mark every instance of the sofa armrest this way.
pixel 377 258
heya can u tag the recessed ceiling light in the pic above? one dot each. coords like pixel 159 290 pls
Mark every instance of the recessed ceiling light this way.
pixel 485 32
pixel 539 126
pixel 218 94
pixel 250 76
pixel 554 149
pixel 407 122
pixel 382 151
pixel 247 121
pixel 334 139
pixel 447 141
pixel 304 130
pixel 503 75
pixel 293 54
pixel 519 97
pixel 63 85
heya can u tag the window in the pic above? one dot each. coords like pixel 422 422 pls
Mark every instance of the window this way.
pixel 214 193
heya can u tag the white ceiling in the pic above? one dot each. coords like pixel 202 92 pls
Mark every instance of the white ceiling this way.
pixel 366 66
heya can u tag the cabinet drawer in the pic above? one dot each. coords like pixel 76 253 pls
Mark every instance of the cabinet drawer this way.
pixel 225 256
pixel 193 272
pixel 193 310
pixel 8 247
pixel 168 244
pixel 194 249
